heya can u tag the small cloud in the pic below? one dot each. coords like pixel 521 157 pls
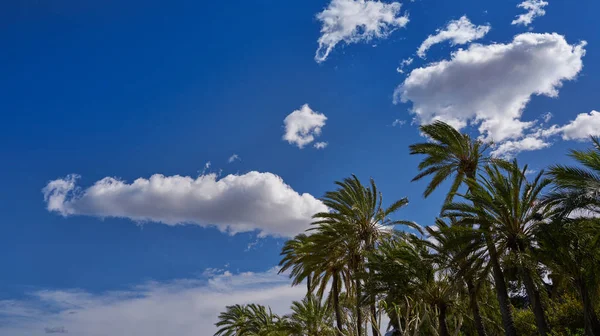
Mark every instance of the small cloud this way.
pixel 353 21
pixel 534 8
pixel 398 122
pixel 530 171
pixel 547 116
pixel 320 145
pixel 403 64
pixel 303 126
pixel 459 31
pixel 233 158
pixel 55 330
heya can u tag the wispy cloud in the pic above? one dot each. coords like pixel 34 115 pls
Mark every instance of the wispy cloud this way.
pixel 534 8
pixel 186 307
pixel 459 31
pixel 320 145
pixel 234 158
pixel 353 21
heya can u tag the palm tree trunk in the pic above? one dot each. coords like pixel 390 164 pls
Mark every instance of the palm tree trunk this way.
pixel 475 308
pixel 442 320
pixel 501 292
pixel 591 322
pixel 308 288
pixel 374 329
pixel 359 318
pixel 536 302
pixel 336 303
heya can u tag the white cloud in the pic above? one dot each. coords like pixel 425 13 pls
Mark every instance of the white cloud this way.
pixel 183 307
pixel 404 64
pixel 582 127
pixel 235 203
pixel 511 148
pixel 459 31
pixel 547 116
pixel 398 122
pixel 534 9
pixel 353 21
pixel 303 125
pixel 490 85
pixel 234 158
pixel 321 145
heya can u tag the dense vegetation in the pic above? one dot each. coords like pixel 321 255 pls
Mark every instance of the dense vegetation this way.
pixel 507 255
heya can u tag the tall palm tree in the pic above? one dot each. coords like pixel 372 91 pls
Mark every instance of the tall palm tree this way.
pixel 310 317
pixel 451 153
pixel 578 188
pixel 511 208
pixel 357 213
pixel 568 248
pixel 295 252
pixel 328 262
pixel 461 250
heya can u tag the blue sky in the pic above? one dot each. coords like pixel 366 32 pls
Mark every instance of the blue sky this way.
pixel 127 90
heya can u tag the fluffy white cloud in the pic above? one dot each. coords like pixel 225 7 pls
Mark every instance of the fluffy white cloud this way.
pixel 321 145
pixel 303 125
pixel 582 127
pixel 459 31
pixel 511 148
pixel 534 9
pixel 235 203
pixel 184 307
pixel 352 21
pixel 490 85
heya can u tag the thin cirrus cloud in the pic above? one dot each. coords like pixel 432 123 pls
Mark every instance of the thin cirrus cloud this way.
pixel 303 126
pixel 534 8
pixel 253 201
pixel 234 158
pixel 490 85
pixel 460 31
pixel 352 21
pixel 182 307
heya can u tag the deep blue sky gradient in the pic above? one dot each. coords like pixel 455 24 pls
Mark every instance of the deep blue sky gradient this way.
pixel 133 88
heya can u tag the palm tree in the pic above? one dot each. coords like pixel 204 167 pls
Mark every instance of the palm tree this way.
pixel 511 208
pixel 295 252
pixel 568 248
pixel 233 320
pixel 451 153
pixel 358 215
pixel 328 261
pixel 310 317
pixel 578 188
pixel 462 251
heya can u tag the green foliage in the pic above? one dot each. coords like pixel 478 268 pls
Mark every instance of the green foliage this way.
pixel 358 268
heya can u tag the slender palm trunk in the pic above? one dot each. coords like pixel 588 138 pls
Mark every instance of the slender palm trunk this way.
pixel 374 327
pixel 308 288
pixel 359 317
pixel 501 292
pixel 591 322
pixel 536 302
pixel 336 303
pixel 475 308
pixel 442 320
